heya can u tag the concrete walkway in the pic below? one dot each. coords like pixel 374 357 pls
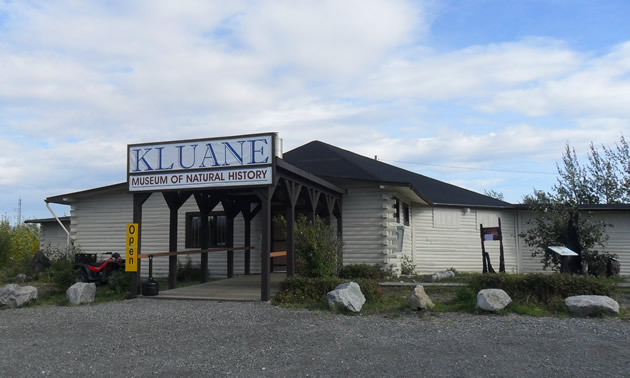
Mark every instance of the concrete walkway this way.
pixel 240 288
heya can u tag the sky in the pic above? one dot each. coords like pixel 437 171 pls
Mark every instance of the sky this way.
pixel 483 94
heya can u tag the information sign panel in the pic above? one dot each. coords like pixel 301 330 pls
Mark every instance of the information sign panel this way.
pixel 131 254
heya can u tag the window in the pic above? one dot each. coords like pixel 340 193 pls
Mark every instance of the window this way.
pixel 446 218
pixel 217 230
pixel 405 211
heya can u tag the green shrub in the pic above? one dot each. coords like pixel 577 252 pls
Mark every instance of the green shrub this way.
pixel 119 282
pixel 542 288
pixel 407 267
pixel 598 262
pixel 316 248
pixel 304 290
pixel 370 272
pixel 188 271
pixel 61 271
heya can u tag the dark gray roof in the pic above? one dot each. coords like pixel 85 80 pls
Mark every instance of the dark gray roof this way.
pixel 591 207
pixel 332 162
pixel 48 220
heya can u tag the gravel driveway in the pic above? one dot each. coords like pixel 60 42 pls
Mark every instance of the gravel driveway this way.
pixel 186 338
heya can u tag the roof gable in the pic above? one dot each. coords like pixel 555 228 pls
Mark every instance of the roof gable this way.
pixel 328 161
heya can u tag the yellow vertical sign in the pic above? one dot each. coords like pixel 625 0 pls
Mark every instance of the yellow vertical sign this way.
pixel 131 255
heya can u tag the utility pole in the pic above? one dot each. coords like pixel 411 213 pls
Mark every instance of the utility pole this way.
pixel 19 214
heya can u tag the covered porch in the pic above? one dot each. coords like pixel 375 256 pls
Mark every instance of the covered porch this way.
pixel 239 288
pixel 290 191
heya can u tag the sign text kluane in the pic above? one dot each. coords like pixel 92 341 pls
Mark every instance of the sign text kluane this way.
pixel 202 163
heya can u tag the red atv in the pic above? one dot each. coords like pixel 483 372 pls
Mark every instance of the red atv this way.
pixel 88 270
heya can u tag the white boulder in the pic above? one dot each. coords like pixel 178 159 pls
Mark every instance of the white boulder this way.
pixel 492 300
pixel 442 275
pixel 591 305
pixel 13 295
pixel 419 300
pixel 81 292
pixel 346 296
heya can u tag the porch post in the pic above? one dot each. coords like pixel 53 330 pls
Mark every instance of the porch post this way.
pixel 138 201
pixel 313 195
pixel 265 275
pixel 172 247
pixel 248 243
pixel 202 204
pixel 231 211
pixel 248 215
pixel 293 191
pixel 174 200
pixel 339 217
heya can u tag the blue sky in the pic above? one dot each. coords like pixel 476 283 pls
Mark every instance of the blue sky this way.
pixel 481 94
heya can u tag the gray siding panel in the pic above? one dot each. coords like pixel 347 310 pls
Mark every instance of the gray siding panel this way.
pixel 51 235
pixel 618 240
pixel 449 238
pixel 363 225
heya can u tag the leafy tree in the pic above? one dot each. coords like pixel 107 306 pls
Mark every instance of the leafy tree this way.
pixel 557 217
pixel 18 244
pixel 494 194
pixel 609 173
pixel 5 241
pixel 560 223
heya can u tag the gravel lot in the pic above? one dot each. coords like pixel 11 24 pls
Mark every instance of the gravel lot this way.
pixel 187 338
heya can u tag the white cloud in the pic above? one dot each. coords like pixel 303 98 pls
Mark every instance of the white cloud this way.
pixel 599 86
pixel 329 37
pixel 473 72
pixel 81 80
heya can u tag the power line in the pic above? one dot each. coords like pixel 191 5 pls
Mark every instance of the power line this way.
pixel 470 168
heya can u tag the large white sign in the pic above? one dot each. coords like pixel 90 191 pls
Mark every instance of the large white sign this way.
pixel 231 161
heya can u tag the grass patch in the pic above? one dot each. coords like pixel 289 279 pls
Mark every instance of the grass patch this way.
pixel 532 294
pixel 48 293
pixel 422 278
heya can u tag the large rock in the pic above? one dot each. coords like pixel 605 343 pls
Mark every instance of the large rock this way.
pixel 346 296
pixel 442 275
pixel 81 292
pixel 13 295
pixel 591 305
pixel 492 300
pixel 419 300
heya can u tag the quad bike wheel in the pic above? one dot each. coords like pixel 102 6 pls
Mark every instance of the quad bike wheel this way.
pixel 81 276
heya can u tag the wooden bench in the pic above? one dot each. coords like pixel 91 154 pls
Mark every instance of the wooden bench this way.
pixel 277 254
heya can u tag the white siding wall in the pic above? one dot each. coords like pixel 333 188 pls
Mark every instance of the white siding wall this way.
pixel 365 216
pixel 529 264
pixel 51 235
pixel 98 225
pixel 618 240
pixel 618 237
pixel 449 238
